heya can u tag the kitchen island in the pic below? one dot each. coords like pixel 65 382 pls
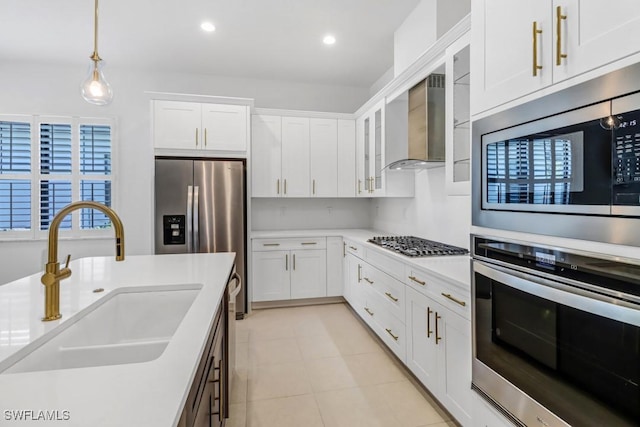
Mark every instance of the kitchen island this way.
pixel 150 393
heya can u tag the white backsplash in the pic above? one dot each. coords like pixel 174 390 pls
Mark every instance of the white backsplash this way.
pixel 431 214
pixel 292 214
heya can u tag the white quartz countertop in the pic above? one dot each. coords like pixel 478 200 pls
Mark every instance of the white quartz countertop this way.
pixel 455 268
pixel 136 394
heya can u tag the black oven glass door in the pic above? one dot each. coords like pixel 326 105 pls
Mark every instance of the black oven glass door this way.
pixel 576 355
pixel 626 155
pixel 560 164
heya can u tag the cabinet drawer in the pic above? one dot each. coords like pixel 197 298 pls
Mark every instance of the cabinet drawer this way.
pixel 450 296
pixel 389 290
pixel 261 245
pixel 354 248
pixel 392 267
pixel 456 300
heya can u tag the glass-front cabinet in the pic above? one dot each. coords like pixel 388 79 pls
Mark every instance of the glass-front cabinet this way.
pixel 370 152
pixel 458 123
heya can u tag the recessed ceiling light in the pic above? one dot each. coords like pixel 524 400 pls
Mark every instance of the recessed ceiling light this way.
pixel 208 27
pixel 329 39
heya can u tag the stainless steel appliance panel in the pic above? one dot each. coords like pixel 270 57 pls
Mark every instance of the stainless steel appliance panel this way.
pixel 609 229
pixel 556 333
pixel 219 214
pixel 173 178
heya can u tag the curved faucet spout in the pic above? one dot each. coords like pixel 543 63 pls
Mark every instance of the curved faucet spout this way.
pixel 53 274
pixel 57 220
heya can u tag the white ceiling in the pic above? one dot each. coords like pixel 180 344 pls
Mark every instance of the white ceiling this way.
pixel 265 39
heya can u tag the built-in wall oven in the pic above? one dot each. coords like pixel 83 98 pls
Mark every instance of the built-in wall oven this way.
pixel 556 334
pixel 564 165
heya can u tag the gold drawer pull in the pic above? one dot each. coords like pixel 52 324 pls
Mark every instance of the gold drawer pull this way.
pixel 415 279
pixel 368 281
pixel 536 33
pixel 559 18
pixel 309 243
pixel 395 337
pixel 454 299
pixel 359 273
pixel 438 337
pixel 368 311
pixel 353 248
pixel 271 244
pixel 391 296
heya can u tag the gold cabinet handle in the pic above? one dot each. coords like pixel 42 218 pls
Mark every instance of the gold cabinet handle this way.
pixel 359 186
pixel 371 185
pixel 429 331
pixel 415 279
pixel 344 249
pixel 395 337
pixel 438 337
pixel 353 248
pixel 314 187
pixel 368 281
pixel 286 262
pixel 536 32
pixel 271 244
pixel 309 243
pixel 368 311
pixel 196 137
pixel 454 299
pixel 285 186
pixel 294 262
pixel 359 273
pixel 559 18
pixel 205 137
pixel 394 299
pixel 278 186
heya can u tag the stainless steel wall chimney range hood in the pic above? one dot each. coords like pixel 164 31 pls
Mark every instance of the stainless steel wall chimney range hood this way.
pixel 426 126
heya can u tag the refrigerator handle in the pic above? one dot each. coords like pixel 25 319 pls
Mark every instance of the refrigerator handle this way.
pixel 196 219
pixel 189 217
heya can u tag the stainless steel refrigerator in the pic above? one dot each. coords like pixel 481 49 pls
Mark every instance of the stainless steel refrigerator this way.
pixel 200 208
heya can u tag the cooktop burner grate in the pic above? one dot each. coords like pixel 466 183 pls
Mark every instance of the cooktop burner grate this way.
pixel 416 246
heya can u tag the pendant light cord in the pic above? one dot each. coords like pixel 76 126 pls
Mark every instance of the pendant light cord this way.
pixel 95 55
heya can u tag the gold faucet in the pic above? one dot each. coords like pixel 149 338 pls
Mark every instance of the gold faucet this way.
pixel 53 273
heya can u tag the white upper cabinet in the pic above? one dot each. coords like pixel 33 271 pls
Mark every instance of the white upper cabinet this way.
pixel 503 65
pixel 323 160
pixel 593 34
pixel 200 126
pixel 302 157
pixel 458 118
pixel 176 124
pixel 347 186
pixel 295 157
pixel 521 38
pixel 266 152
pixel 224 127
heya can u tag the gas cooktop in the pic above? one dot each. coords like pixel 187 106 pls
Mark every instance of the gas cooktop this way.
pixel 416 247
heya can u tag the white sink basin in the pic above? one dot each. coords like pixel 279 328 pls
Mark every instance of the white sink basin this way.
pixel 130 325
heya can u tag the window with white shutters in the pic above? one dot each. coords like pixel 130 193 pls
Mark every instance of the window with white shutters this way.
pixel 45 164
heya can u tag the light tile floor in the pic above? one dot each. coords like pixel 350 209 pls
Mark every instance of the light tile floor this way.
pixel 320 366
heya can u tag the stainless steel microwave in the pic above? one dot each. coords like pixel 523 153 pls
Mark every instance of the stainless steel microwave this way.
pixel 567 164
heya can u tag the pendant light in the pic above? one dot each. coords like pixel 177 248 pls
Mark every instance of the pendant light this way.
pixel 95 89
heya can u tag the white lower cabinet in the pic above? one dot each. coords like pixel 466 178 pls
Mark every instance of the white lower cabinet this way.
pixel 336 252
pixel 484 415
pixel 284 269
pixel 308 273
pixel 271 280
pixel 425 321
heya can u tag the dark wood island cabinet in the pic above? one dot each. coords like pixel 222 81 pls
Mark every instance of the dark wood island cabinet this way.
pixel 207 403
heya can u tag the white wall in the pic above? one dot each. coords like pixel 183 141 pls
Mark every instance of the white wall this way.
pixel 450 13
pixel 52 89
pixel 431 214
pixel 291 214
pixel 414 36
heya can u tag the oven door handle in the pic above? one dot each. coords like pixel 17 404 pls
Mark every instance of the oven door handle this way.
pixel 580 299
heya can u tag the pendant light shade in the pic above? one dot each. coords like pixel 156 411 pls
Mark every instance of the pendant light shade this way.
pixel 95 89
